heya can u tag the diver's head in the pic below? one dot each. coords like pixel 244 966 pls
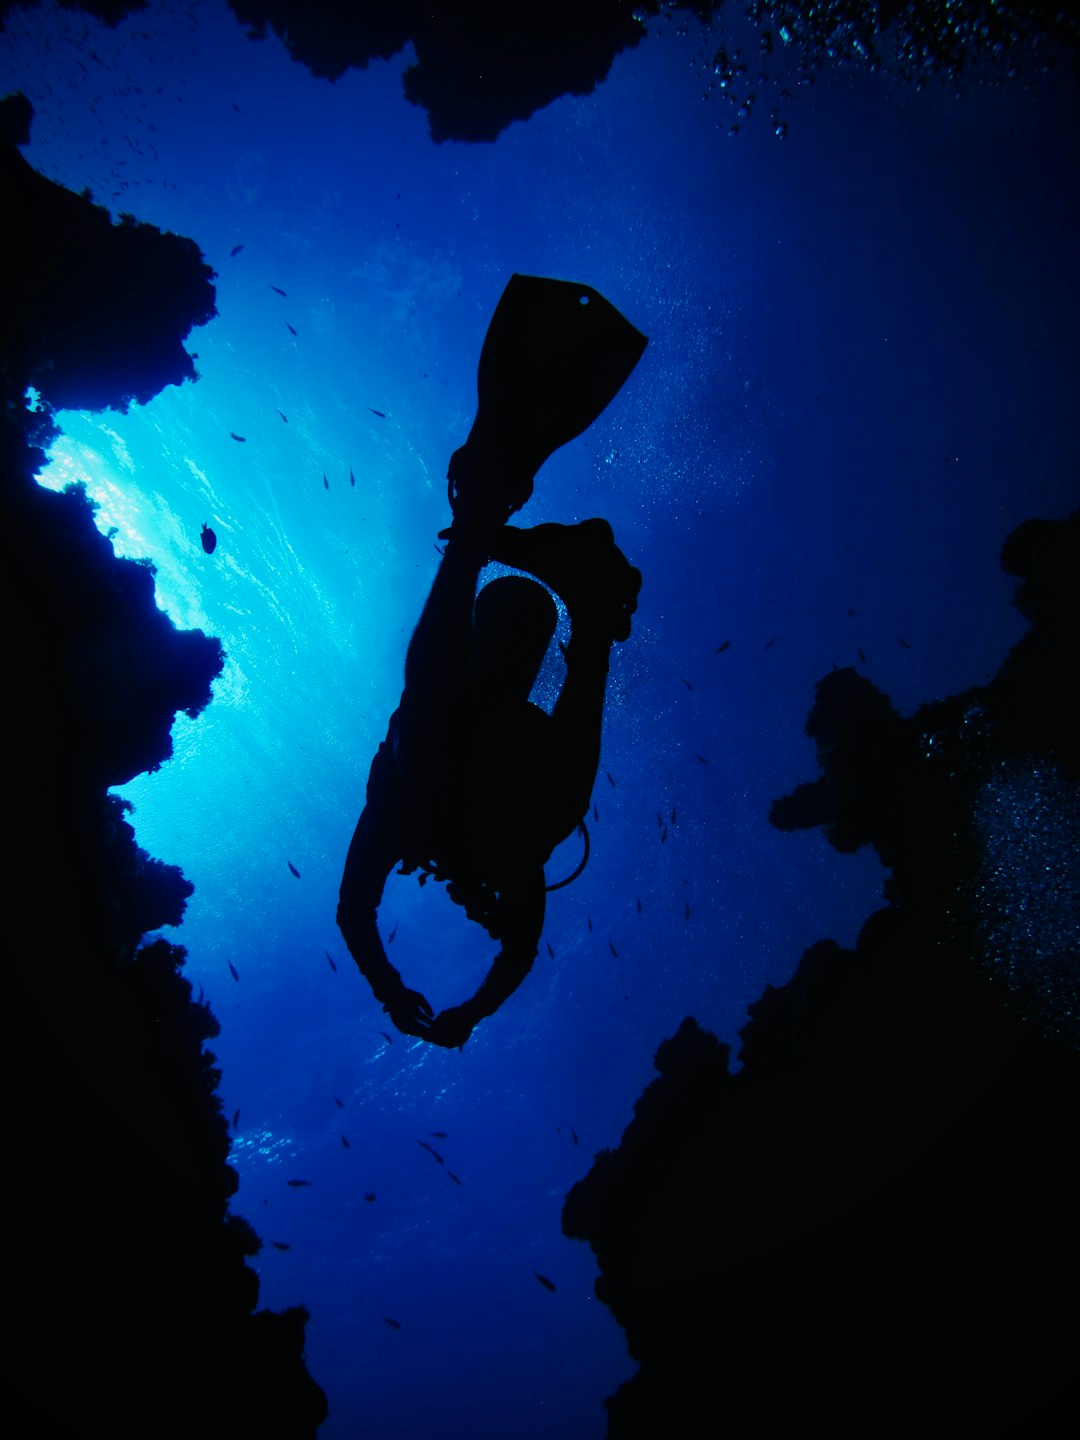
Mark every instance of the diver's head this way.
pixel 513 622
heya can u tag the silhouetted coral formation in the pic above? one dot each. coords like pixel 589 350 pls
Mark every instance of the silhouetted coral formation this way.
pixel 103 331
pixel 109 12
pixel 128 1283
pixel 923 790
pixel 866 1227
pixel 479 71
pixel 479 67
pixel 329 37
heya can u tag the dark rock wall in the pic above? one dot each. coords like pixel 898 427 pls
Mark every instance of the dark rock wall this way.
pixel 130 1302
pixel 871 1227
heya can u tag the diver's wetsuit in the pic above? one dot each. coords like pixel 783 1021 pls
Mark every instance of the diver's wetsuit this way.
pixel 392 830
pixel 473 788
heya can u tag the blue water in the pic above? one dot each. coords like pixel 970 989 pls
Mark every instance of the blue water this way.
pixel 861 375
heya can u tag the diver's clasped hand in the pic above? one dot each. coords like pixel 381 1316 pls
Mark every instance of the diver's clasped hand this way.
pixel 451 1028
pixel 410 1013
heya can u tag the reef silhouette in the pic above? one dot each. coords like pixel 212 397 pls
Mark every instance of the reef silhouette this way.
pixel 480 67
pixel 132 1304
pixel 868 1225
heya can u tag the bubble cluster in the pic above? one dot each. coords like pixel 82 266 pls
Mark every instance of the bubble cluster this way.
pixel 1027 892
pixel 956 42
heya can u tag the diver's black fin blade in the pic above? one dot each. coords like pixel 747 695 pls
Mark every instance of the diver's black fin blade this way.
pixel 555 356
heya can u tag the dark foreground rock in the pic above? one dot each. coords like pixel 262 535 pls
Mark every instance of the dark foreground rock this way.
pixel 870 1228
pixel 131 1309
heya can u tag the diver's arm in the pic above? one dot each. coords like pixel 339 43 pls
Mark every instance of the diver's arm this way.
pixel 375 849
pixel 508 970
pixel 369 863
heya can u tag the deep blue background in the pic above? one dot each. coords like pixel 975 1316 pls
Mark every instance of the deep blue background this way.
pixel 862 374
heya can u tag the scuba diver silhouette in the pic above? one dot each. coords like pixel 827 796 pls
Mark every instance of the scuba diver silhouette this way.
pixel 474 784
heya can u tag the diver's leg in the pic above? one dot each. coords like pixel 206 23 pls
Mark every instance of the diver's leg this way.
pixel 599 587
pixel 577 723
pixel 582 564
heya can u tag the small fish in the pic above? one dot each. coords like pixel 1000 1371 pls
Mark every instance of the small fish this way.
pixel 437 1134
pixel 241 439
pixel 394 1324
pixel 388 1038
pixel 860 654
pixel 721 648
pixel 573 1135
pixel 431 1151
pixel 344 1143
pixel 588 921
pixel 339 1103
pixel 297 1184
pixel 292 869
pixel 686 682
pixel 550 950
pixel 390 937
pixel 851 612
pixel 209 539
pixel 663 835
pixel 674 815
pixel 380 413
pixel 283 416
pixel 659 820
pixel 639 904
pixel 278 290
pixel 610 778
pixel 369 1196
pixel 352 478
pixel 905 643
pixel 280 1245
pixel 702 760
pixel 326 483
pixel 770 643
pixel 611 947
pixel 289 328
pixel 453 1177
pixel 686 912
pixel 239 112
pixel 547 1284
pixel 331 959
pixel 596 813
pixel 235 1119
pixel 235 251
pixel 233 971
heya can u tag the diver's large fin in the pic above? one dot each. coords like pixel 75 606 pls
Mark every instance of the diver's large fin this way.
pixel 556 354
